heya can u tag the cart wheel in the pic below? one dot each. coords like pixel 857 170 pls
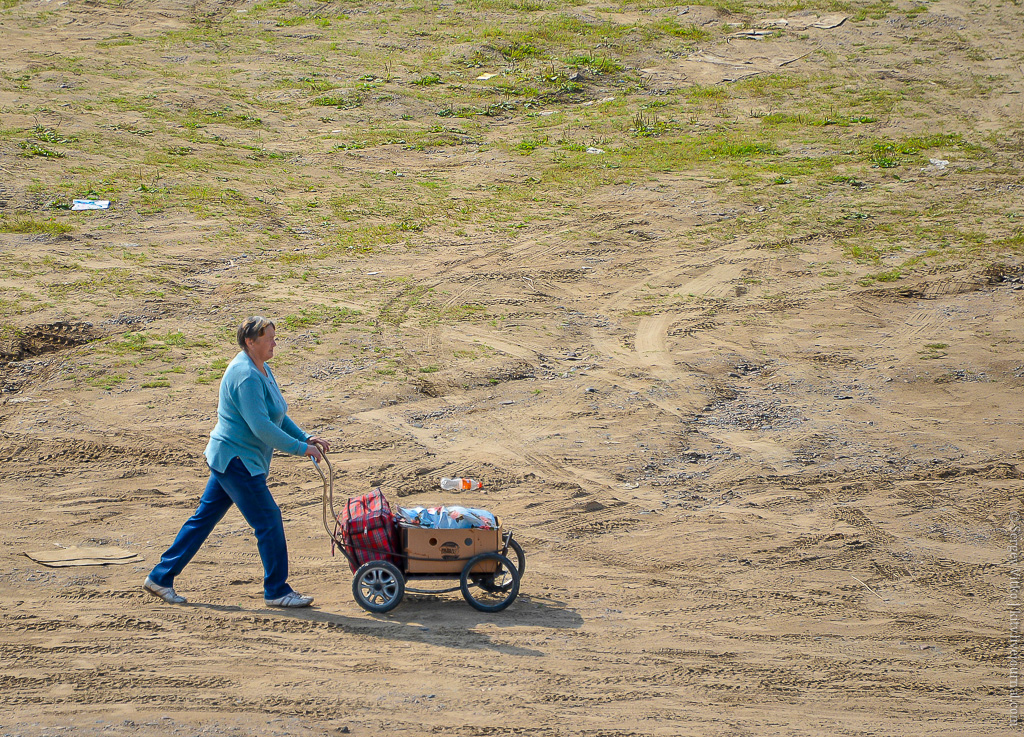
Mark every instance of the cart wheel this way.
pixel 378 586
pixel 520 556
pixel 491 583
pixel 495 591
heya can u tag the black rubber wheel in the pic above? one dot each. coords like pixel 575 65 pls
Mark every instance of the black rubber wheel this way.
pixel 378 586
pixel 519 559
pixel 492 584
pixel 494 591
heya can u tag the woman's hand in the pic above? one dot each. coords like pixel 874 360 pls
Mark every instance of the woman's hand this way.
pixel 313 451
pixel 322 444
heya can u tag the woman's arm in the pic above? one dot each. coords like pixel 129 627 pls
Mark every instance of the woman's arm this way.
pixel 314 445
pixel 252 405
pixel 294 430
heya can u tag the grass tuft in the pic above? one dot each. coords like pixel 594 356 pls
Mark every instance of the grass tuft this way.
pixel 28 224
pixel 427 81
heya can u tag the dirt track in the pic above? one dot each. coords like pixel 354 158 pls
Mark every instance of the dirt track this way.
pixel 757 497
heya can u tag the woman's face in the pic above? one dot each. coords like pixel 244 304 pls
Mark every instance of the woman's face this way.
pixel 262 348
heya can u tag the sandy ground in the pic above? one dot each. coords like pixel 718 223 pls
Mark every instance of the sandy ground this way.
pixel 763 507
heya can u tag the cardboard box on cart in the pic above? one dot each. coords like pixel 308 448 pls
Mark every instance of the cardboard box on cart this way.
pixel 447 551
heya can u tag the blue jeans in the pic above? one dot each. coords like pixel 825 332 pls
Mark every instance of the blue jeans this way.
pixel 252 497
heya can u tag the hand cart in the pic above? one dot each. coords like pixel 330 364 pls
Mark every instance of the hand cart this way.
pixel 488 579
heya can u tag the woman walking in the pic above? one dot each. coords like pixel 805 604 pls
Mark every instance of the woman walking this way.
pixel 252 422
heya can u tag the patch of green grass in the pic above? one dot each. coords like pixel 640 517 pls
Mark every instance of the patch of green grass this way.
pixel 594 64
pixel 106 381
pixel 454 313
pixel 153 343
pixel 9 333
pixel 725 148
pixel 116 282
pixel 31 148
pixel 567 30
pixel 800 120
pixel 846 179
pixel 887 154
pixel 297 20
pixel 359 241
pixel 685 31
pixel 666 153
pixel 521 50
pixel 520 6
pixel 121 39
pixel 529 145
pixel 705 92
pixel 916 143
pixel 49 135
pixel 342 102
pixel 207 375
pixel 885 158
pixel 794 167
pixel 883 276
pixel 245 120
pixel 427 80
pixel 322 315
pixel 933 350
pixel 173 338
pixel 129 343
pixel 259 153
pixel 876 10
pixel 775 86
pixel 1014 241
pixel 647 126
pixel 22 303
pixel 864 252
pixel 28 224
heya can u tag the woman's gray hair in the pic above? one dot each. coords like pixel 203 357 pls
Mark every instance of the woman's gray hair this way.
pixel 252 328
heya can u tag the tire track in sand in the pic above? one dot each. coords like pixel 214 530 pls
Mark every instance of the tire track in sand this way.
pixel 650 350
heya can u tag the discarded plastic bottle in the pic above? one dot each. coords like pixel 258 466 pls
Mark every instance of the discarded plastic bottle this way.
pixel 462 484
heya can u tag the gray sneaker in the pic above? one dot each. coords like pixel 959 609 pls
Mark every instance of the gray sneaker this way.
pixel 294 599
pixel 164 592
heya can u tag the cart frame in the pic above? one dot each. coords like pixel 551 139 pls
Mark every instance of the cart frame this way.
pixel 379 586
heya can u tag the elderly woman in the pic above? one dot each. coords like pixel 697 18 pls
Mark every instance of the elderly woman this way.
pixel 251 423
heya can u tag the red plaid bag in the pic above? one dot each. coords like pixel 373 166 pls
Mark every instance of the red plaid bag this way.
pixel 369 530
